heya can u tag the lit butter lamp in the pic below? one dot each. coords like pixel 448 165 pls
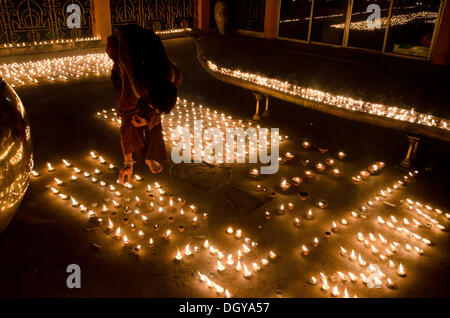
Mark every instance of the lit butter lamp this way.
pixel 306 144
pixel 254 172
pixel 336 173
pixel 320 167
pixel 364 174
pixel 289 156
pixel 309 174
pixel 284 185
pixel 373 169
pixel 321 203
pixel 297 181
pixel 341 155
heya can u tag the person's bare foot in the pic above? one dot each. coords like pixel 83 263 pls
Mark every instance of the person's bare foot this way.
pixel 154 166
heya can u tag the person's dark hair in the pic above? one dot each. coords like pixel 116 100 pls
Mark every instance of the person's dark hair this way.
pixel 112 46
pixel 163 95
pixel 145 51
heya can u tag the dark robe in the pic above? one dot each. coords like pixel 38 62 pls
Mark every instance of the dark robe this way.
pixel 135 68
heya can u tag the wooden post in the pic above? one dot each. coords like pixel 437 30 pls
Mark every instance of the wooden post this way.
pixel 441 52
pixel 412 152
pixel 101 19
pixel 258 98
pixel 203 14
pixel 266 113
pixel 271 17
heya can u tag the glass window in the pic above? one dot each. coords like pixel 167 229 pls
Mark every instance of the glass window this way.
pixel 294 19
pixel 368 24
pixel 411 26
pixel 328 17
pixel 248 15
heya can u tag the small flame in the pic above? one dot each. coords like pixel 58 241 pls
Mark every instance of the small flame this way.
pixel 74 202
pixel 230 260
pixel 66 163
pixel 187 250
pixel 247 273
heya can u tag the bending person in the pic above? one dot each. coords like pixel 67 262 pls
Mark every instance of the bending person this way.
pixel 145 83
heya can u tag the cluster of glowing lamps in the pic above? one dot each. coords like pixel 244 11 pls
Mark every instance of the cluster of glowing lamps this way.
pixel 185 114
pixel 56 69
pixel 338 101
pixel 139 203
pixel 231 261
pixel 84 39
pixel 118 232
pixel 50 42
pixel 381 247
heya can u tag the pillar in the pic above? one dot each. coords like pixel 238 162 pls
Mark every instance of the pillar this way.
pixel 271 19
pixel 411 155
pixel 101 19
pixel 441 52
pixel 258 97
pixel 203 14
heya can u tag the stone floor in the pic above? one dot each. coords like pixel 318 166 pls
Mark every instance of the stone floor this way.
pixel 48 233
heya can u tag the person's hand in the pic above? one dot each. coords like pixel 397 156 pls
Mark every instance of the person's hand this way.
pixel 125 174
pixel 138 121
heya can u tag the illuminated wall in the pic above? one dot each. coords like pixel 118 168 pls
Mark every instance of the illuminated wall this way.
pixel 153 14
pixel 28 21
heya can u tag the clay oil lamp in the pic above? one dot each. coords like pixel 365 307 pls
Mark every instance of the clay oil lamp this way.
pixel 306 144
pixel 341 155
pixel 380 164
pixel 305 250
pixel 320 167
pixel 303 195
pixel 284 185
pixel 364 174
pixel 323 150
pixel 356 179
pixel 305 162
pixel 336 173
pixel 289 156
pixel 321 203
pixel 330 162
pixel 254 172
pixel 297 181
pixel 373 169
pixel 309 174
pixel 281 210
